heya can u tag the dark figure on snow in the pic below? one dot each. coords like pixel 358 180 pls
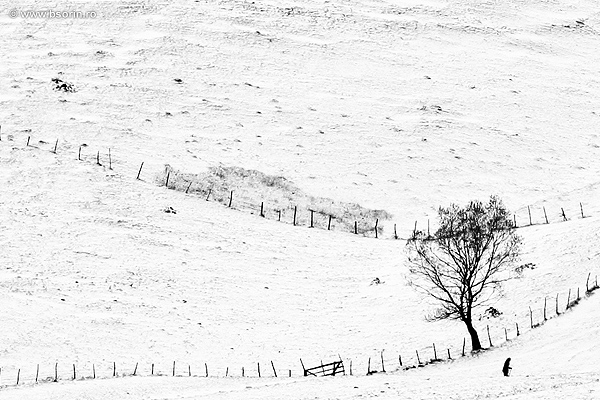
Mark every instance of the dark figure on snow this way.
pixel 506 369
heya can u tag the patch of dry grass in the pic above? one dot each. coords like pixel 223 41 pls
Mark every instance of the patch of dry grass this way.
pixel 251 187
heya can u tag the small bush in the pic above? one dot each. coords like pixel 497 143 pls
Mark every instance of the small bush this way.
pixel 62 86
pixel 491 312
pixel 521 268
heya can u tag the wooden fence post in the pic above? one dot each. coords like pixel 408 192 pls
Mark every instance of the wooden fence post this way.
pixel 581 207
pixel 109 159
pixel 230 198
pixel 28 137
pixel 173 368
pixel 167 181
pixel 55 146
pixel 515 220
pixel 518 333
pixel 545 215
pixel 531 317
pixel 79 154
pixel 152 370
pixel 449 358
pixel 506 334
pixel 350 367
pixel 114 368
pixel 587 283
pixel 376 233
pixel 18 376
pixel 188 188
pixel 135 369
pixel 94 371
pixel 74 373
pixel 312 212
pixel 355 228
pixel 382 363
pixel 329 224
pixel 529 211
pixel 545 319
pixel 568 299
pixel 295 211
pixel 279 212
pixel 206 369
pixel 189 370
pixel 139 172
pixel 98 158
pixel 395 233
pixel 400 359
pixel 227 372
pixel 342 363
pixel 489 337
pixel 418 358
pixel 557 312
pixel 37 373
pixel 209 192
pixel 369 367
pixel 258 364
pixel 434 352
pixel 563 214
pixel 464 344
pixel 56 372
pixel 415 229
pixel 262 204
pixel 243 373
pixel 274 371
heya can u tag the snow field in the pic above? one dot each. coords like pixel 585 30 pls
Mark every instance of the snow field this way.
pixel 393 105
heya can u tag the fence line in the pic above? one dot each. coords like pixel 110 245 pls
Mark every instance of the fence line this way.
pixel 75 374
pixel 493 337
pixel 291 215
pixel 310 217
pixel 422 357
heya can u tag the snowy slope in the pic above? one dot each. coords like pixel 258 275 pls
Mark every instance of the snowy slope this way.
pixel 403 106
pixel 394 105
pixel 546 365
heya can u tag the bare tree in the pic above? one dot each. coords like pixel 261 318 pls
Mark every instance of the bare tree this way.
pixel 466 260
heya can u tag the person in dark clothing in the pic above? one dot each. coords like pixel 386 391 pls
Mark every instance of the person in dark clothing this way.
pixel 506 369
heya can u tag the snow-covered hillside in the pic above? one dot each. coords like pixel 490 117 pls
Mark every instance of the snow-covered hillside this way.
pixel 558 361
pixel 395 105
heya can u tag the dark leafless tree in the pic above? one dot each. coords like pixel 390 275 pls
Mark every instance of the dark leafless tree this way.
pixel 464 263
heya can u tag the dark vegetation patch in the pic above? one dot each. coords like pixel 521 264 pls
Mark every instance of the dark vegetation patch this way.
pixel 279 196
pixel 521 268
pixel 62 86
pixel 491 312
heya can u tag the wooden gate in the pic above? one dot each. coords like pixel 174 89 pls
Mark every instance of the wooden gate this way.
pixel 330 369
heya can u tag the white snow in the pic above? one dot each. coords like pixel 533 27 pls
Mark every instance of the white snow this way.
pixel 403 106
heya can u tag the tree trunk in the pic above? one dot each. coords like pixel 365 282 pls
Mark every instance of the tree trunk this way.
pixel 475 343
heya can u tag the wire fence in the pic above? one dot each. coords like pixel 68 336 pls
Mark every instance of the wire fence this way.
pixel 385 361
pixel 491 336
pixel 303 215
pixel 314 218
